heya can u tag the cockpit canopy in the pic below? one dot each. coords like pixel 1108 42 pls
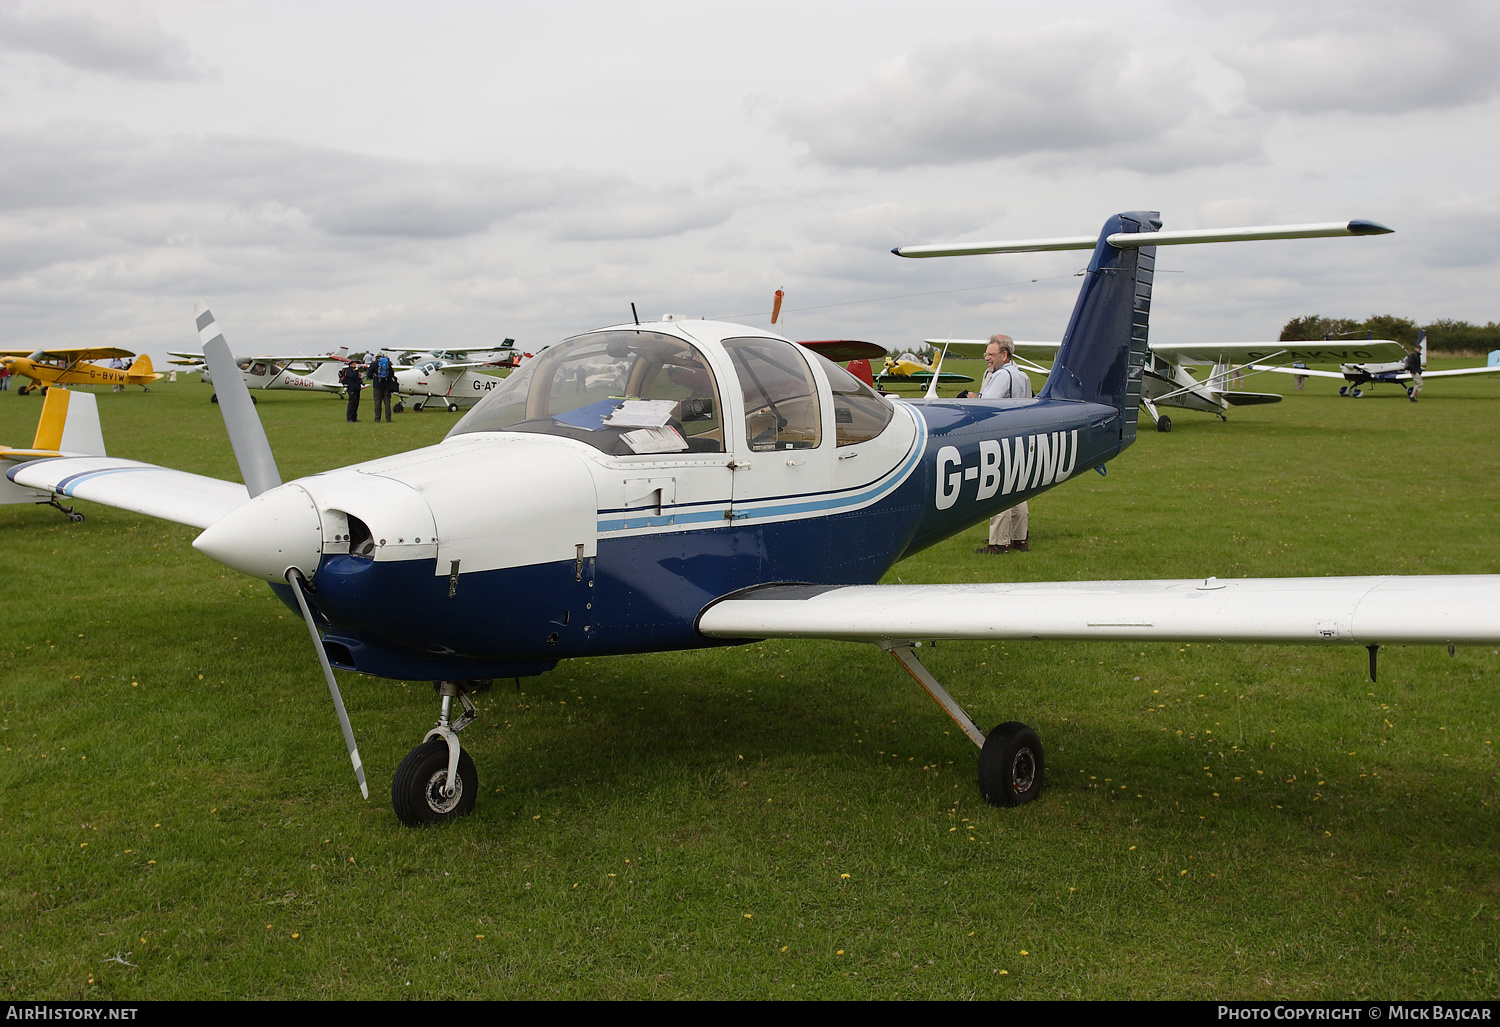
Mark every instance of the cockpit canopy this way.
pixel 639 391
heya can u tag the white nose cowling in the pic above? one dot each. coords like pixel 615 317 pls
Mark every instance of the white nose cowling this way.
pixel 277 530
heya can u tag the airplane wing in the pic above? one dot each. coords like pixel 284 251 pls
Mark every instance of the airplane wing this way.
pixel 1335 352
pixel 1461 370
pixel 464 366
pixel 841 351
pixel 132 485
pixel 946 377
pixel 1309 372
pixel 71 353
pixel 1386 610
pixel 976 347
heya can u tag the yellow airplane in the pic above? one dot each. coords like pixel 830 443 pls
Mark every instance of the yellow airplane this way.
pixel 909 368
pixel 69 366
pixel 69 426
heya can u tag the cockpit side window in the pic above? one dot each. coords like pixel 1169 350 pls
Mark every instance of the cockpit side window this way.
pixel 781 398
pixel 586 388
pixel 859 414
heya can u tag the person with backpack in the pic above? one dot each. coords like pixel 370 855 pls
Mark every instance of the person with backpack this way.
pixel 383 377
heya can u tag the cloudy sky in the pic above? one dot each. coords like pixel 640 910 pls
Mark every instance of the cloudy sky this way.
pixel 392 173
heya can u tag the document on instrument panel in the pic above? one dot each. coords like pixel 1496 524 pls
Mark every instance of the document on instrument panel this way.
pixel 642 413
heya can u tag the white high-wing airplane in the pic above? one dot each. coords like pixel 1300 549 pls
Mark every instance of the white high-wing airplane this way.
pixel 1361 376
pixel 435 381
pixel 680 484
pixel 294 373
pixel 1167 382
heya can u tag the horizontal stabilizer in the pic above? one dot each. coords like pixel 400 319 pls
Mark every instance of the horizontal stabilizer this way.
pixel 1425 610
pixel 131 485
pixel 1236 398
pixel 1123 240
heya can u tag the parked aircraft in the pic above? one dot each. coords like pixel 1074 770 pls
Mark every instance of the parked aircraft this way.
pixel 436 381
pixel 68 426
pixel 1166 380
pixel 297 373
pixel 69 365
pixel 1362 376
pixel 503 355
pixel 682 484
pixel 908 367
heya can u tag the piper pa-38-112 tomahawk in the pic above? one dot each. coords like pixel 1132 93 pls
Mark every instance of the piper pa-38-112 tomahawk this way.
pixel 680 484
pixel 1167 382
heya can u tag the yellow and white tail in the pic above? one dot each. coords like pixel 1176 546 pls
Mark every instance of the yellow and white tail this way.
pixel 70 424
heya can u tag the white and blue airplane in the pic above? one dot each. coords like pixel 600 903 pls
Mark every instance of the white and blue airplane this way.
pixel 679 484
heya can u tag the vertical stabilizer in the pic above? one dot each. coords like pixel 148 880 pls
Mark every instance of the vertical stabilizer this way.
pixel 1104 349
pixel 70 424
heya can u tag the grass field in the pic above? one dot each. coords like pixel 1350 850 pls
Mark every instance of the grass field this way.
pixel 178 818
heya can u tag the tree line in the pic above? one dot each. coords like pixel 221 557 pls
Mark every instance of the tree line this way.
pixel 1443 336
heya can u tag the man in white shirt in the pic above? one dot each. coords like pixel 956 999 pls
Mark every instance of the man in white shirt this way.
pixel 1004 380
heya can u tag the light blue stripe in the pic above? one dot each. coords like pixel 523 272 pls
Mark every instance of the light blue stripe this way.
pixel 68 484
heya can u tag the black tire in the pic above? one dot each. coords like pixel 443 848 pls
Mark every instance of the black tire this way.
pixel 76 518
pixel 214 399
pixel 416 793
pixel 452 408
pixel 1356 393
pixel 44 390
pixel 397 408
pixel 1343 390
pixel 416 408
pixel 1011 765
pixel 1164 423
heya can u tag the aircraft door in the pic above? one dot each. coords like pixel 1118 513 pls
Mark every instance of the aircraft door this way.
pixel 782 458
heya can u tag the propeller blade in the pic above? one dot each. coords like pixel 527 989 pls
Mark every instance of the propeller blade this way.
pixel 251 450
pixel 297 581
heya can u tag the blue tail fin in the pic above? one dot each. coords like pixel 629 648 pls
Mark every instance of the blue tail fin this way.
pixel 1104 349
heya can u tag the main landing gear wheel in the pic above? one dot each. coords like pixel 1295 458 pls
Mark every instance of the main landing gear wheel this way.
pixel 1010 765
pixel 398 408
pixel 1163 423
pixel 1356 393
pixel 452 408
pixel 1343 390
pixel 419 789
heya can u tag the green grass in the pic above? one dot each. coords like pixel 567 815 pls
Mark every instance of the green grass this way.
pixel 1220 821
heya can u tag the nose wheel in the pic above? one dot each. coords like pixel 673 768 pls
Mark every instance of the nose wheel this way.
pixel 420 793
pixel 437 782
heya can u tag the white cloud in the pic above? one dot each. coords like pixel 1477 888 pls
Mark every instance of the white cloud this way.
pixel 110 39
pixel 1072 91
pixel 1384 57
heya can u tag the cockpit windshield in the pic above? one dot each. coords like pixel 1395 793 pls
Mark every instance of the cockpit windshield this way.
pixel 621 392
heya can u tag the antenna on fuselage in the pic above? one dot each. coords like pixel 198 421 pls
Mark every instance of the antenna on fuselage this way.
pixel 938 370
pixel 634 316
